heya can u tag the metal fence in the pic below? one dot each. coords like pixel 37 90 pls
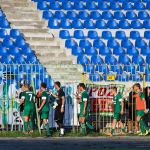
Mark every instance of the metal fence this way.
pixel 101 114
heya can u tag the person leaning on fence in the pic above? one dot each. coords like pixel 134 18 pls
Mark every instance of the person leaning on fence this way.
pixel 140 109
pixel 60 108
pixel 118 111
pixel 44 108
pixel 27 98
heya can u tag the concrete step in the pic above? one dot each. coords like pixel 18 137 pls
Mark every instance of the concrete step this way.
pixel 39 35
pixel 42 43
pixel 37 31
pixel 10 3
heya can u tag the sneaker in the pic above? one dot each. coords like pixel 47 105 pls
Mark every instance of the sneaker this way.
pixel 143 134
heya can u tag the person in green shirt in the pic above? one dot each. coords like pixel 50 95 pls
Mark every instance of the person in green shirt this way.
pixel 44 107
pixel 27 98
pixel 118 111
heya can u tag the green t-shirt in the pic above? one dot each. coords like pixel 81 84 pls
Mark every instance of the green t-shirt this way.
pixel 117 103
pixel 45 96
pixel 28 98
pixel 84 97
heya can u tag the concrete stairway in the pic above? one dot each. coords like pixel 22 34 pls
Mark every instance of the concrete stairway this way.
pixel 23 15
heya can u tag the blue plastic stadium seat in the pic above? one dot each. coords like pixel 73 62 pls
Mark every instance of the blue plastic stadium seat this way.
pixel 71 15
pixel 90 51
pixel 143 68
pixel 19 60
pixel 89 68
pixel 107 15
pixel 115 6
pixel 85 43
pixel 77 51
pixel 145 51
pixel 143 15
pixel 42 5
pixel 79 5
pixel 96 59
pixel 14 51
pixel 89 24
pixel 60 15
pixel 77 24
pixel 71 43
pixel 84 15
pixel 138 60
pixel 55 6
pixel 91 5
pixel 101 24
pixel 139 6
pixel 112 24
pixel 120 35
pixel 48 15
pixel 4 23
pixel 112 43
pixel 95 77
pixel 123 77
pixel 79 34
pixel 136 77
pixel 26 50
pixel 147 34
pixel 104 51
pixel 130 68
pixel 64 34
pixel 106 35
pixel 82 59
pixel 118 51
pixel 127 6
pixel 131 15
pixel 15 33
pixel 126 43
pixel 65 24
pixel 110 59
pixel 93 34
pixel 145 1
pixel 103 6
pixel 132 51
pixel 119 15
pixel 32 60
pixel 3 51
pixel 134 35
pixel 7 42
pixel 53 23
pixel 6 60
pixel 140 43
pixel 116 68
pixel 148 59
pixel 95 15
pixel 20 42
pixel 136 24
pixel 3 33
pixel 124 59
pixel 98 43
pixel 67 5
pixel 146 24
pixel 102 68
pixel 124 24
pixel 148 6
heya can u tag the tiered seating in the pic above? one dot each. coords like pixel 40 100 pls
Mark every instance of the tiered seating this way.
pixel 17 57
pixel 126 52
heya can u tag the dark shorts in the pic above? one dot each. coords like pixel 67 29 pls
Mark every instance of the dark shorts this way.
pixel 117 116
pixel 44 114
pixel 58 114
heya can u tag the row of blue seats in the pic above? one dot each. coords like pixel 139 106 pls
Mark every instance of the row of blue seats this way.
pixel 110 59
pixel 111 43
pixel 3 21
pixel 92 34
pixel 99 24
pixel 12 33
pixel 104 51
pixel 122 78
pixel 96 15
pixel 92 6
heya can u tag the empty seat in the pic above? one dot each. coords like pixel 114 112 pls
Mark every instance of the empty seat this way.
pixel 130 68
pixel 60 15
pixel 107 15
pixel 139 6
pixel 91 5
pixel 20 42
pixel 140 43
pixel 96 59
pixel 136 24
pixel 3 33
pixel 77 51
pixel 106 35
pixel 64 34
pixel 84 15
pixel 148 59
pixel 103 6
pixel 120 35
pixel 65 24
pixel 82 59
pixel 14 51
pixel 112 43
pixel 7 42
pixel 15 33
pixel 95 77
pixel 71 43
pixel 146 24
pixel 19 60
pixel 6 60
pixel 95 15
pixel 79 5
pixel 110 59
pixel 143 68
pixel 71 15
pixel 124 24
pixel 147 34
pixel 118 51
pixel 67 5
pixel 136 77
pixel 115 6
pixel 89 68
pixel 53 23
pixel 134 35
pixel 100 24
pixel 112 24
pixel 48 14
pixel 145 51
pixel 89 24
pixel 77 24
pixel 124 59
pixel 104 51
pixel 42 5
pixel 119 15
pixel 138 60
pixel 93 35
pixel 98 43
pixel 26 50
pixel 132 51
pixel 126 43
pixel 148 6
pixel 131 15
pixel 90 51
pixel 55 6
pixel 127 6
pixel 85 43
pixel 3 51
pixel 143 15
pixel 4 23
pixel 32 60
pixel 79 34
pixel 123 77
pixel 117 68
